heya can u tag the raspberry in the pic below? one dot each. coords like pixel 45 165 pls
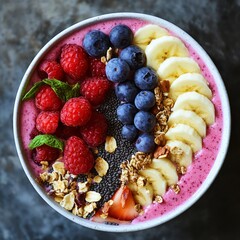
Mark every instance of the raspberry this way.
pixel 76 112
pixel 95 89
pixel 46 153
pixel 97 68
pixel 66 132
pixel 74 61
pixel 47 100
pixel 95 131
pixel 51 69
pixel 47 122
pixel 78 158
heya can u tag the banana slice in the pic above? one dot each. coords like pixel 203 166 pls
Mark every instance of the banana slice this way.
pixel 147 33
pixel 189 82
pixel 166 168
pixel 186 134
pixel 180 152
pixel 173 67
pixel 162 48
pixel 189 118
pixel 198 103
pixel 142 195
pixel 155 178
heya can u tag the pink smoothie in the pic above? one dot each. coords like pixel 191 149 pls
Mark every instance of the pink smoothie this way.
pixel 203 160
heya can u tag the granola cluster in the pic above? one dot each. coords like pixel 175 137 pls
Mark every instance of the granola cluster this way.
pixel 71 194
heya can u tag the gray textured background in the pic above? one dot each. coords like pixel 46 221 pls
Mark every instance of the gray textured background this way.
pixel 25 26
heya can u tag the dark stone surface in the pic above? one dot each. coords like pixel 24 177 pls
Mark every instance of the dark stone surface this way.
pixel 25 26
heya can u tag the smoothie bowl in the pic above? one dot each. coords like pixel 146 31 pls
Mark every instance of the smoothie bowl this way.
pixel 121 122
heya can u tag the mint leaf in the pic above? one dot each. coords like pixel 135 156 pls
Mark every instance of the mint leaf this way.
pixel 33 90
pixel 47 139
pixel 74 92
pixel 62 89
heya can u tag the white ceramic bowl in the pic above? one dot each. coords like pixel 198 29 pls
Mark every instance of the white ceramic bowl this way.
pixel 217 163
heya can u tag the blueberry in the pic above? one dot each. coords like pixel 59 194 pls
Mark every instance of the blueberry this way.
pixel 126 91
pixel 134 56
pixel 144 121
pixel 117 70
pixel 96 43
pixel 126 113
pixel 121 36
pixel 129 132
pixel 145 100
pixel 146 78
pixel 145 143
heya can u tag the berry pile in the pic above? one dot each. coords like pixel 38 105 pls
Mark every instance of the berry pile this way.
pixel 134 85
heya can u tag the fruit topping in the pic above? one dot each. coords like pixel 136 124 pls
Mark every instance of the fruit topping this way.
pixel 47 100
pixel 134 56
pixel 145 143
pixel 117 70
pixel 96 43
pixel 146 78
pixel 126 91
pixel 96 68
pixel 126 113
pixel 145 100
pixel 95 131
pixel 47 122
pixel 144 121
pixel 78 158
pixel 121 36
pixel 51 69
pixel 74 61
pixel 129 132
pixel 123 206
pixel 76 112
pixel 95 89
pixel 45 153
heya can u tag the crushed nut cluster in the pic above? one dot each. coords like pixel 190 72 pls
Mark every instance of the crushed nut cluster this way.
pixel 131 167
pixel 74 196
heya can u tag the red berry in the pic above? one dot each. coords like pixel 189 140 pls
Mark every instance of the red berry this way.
pixel 76 112
pixel 95 131
pixel 47 100
pixel 47 122
pixel 74 61
pixel 66 132
pixel 95 89
pixel 97 68
pixel 46 153
pixel 51 69
pixel 78 158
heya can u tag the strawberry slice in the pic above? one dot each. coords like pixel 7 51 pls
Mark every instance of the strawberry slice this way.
pixel 123 207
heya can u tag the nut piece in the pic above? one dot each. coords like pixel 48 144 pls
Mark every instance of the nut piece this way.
pixel 110 144
pixel 158 199
pixel 68 201
pixel 83 187
pixel 92 196
pixel 97 179
pixel 101 166
pixel 175 188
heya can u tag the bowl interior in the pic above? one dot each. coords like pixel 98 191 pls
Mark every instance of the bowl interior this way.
pixel 223 145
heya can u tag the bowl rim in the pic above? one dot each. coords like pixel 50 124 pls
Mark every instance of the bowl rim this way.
pixel 216 165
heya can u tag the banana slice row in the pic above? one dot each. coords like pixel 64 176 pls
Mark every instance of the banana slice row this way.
pixel 158 176
pixel 192 112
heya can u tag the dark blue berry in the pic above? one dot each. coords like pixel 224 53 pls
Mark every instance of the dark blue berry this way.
pixel 146 78
pixel 134 56
pixel 145 100
pixel 117 70
pixel 121 36
pixel 126 91
pixel 96 43
pixel 144 121
pixel 129 132
pixel 145 143
pixel 126 113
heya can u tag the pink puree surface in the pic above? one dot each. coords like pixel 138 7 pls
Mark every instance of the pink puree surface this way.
pixel 203 160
